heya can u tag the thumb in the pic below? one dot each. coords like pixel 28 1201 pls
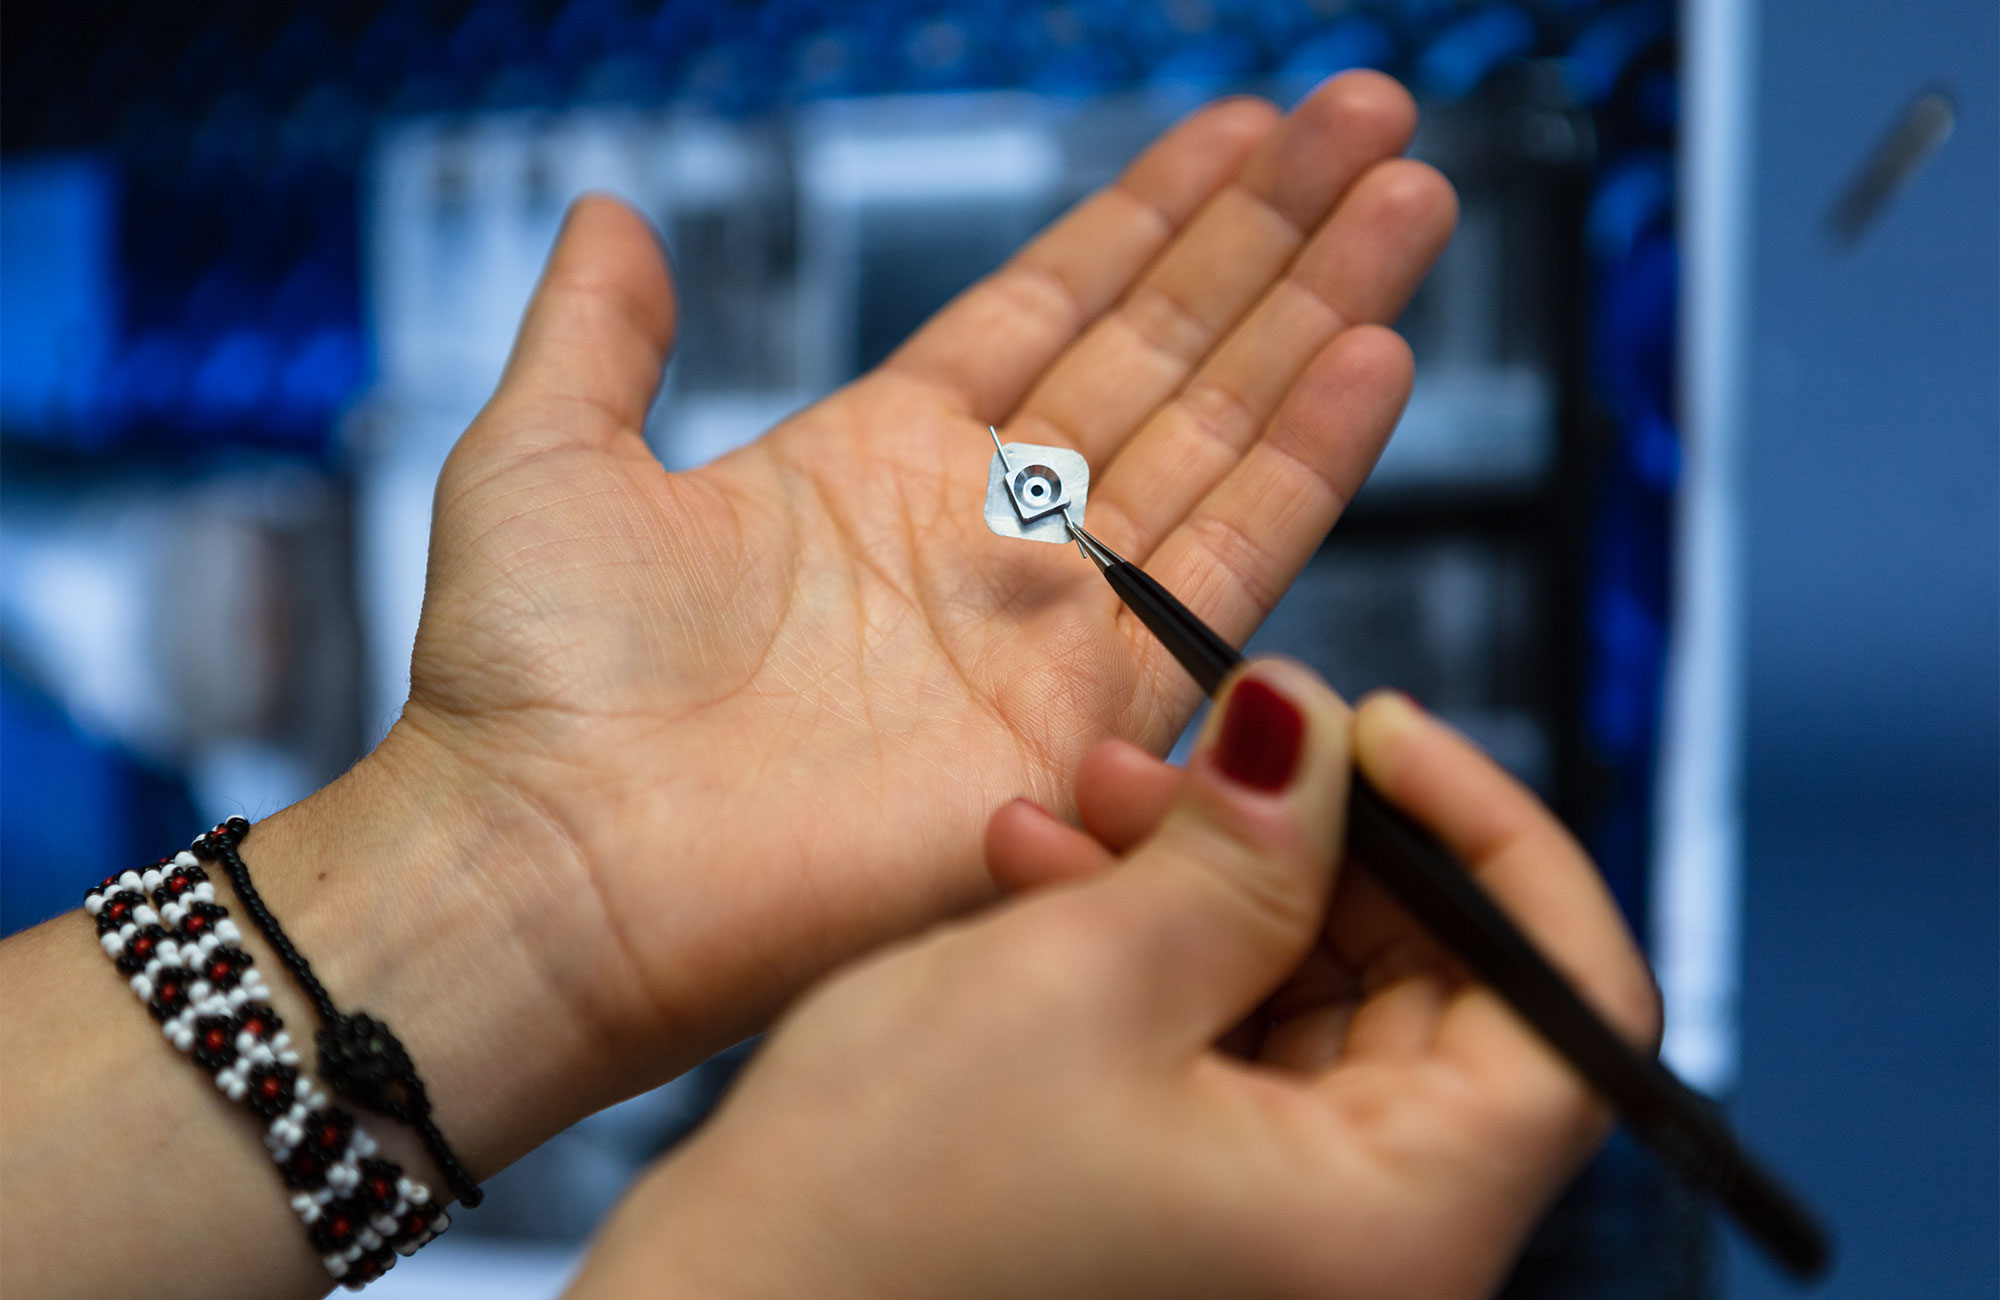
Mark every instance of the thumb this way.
pixel 1226 896
pixel 594 339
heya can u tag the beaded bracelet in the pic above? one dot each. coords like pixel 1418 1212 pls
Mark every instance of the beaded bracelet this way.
pixel 183 957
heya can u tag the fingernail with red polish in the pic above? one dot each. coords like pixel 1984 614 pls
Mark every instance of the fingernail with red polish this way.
pixel 1262 735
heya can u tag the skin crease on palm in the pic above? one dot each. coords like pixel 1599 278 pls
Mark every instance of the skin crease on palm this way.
pixel 761 711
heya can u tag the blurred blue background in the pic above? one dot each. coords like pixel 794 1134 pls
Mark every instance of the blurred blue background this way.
pixel 1692 520
pixel 1872 401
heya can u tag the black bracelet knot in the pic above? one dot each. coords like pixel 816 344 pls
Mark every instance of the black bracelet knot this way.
pixel 359 1059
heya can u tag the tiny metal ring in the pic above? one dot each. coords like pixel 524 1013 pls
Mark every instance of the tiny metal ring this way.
pixel 1039 490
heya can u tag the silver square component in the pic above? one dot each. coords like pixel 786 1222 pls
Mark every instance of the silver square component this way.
pixel 1029 502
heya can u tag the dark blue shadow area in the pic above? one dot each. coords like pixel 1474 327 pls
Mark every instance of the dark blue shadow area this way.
pixel 1869 1046
pixel 72 810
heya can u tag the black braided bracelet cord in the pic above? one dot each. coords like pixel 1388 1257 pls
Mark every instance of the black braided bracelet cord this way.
pixel 182 956
pixel 359 1059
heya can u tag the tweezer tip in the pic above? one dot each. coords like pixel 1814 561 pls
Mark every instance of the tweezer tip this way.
pixel 1095 551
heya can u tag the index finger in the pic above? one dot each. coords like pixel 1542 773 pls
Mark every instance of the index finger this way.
pixel 1531 866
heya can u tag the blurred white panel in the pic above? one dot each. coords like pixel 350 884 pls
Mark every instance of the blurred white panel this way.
pixel 914 165
pixel 456 1267
pixel 1492 427
pixel 73 602
pixel 241 778
pixel 400 446
pixel 462 214
pixel 710 426
pixel 1698 820
pixel 97 586
pixel 904 199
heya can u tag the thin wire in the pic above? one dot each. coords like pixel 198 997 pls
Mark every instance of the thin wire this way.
pixel 1005 464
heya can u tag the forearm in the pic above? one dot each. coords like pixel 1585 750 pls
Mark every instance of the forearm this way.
pixel 128 1173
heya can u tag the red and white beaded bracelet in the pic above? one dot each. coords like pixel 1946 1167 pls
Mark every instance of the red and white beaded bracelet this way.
pixel 183 957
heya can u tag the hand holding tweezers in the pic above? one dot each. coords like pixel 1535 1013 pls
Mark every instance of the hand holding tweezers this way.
pixel 1687 1130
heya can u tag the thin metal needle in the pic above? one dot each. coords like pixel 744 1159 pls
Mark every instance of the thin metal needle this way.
pixel 1005 464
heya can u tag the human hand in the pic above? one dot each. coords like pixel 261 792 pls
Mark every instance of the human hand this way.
pixel 745 721
pixel 1033 1103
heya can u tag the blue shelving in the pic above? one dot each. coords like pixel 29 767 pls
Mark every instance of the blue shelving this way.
pixel 236 133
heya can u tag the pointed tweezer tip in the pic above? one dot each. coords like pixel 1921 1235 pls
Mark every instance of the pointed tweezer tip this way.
pixel 1097 552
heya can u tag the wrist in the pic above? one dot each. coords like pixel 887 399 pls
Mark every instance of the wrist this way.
pixel 427 899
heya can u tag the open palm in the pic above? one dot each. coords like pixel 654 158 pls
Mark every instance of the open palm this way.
pixel 764 708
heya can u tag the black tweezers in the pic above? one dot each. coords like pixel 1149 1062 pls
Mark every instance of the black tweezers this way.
pixel 1684 1127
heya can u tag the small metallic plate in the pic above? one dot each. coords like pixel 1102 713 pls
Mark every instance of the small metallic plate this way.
pixel 1037 520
